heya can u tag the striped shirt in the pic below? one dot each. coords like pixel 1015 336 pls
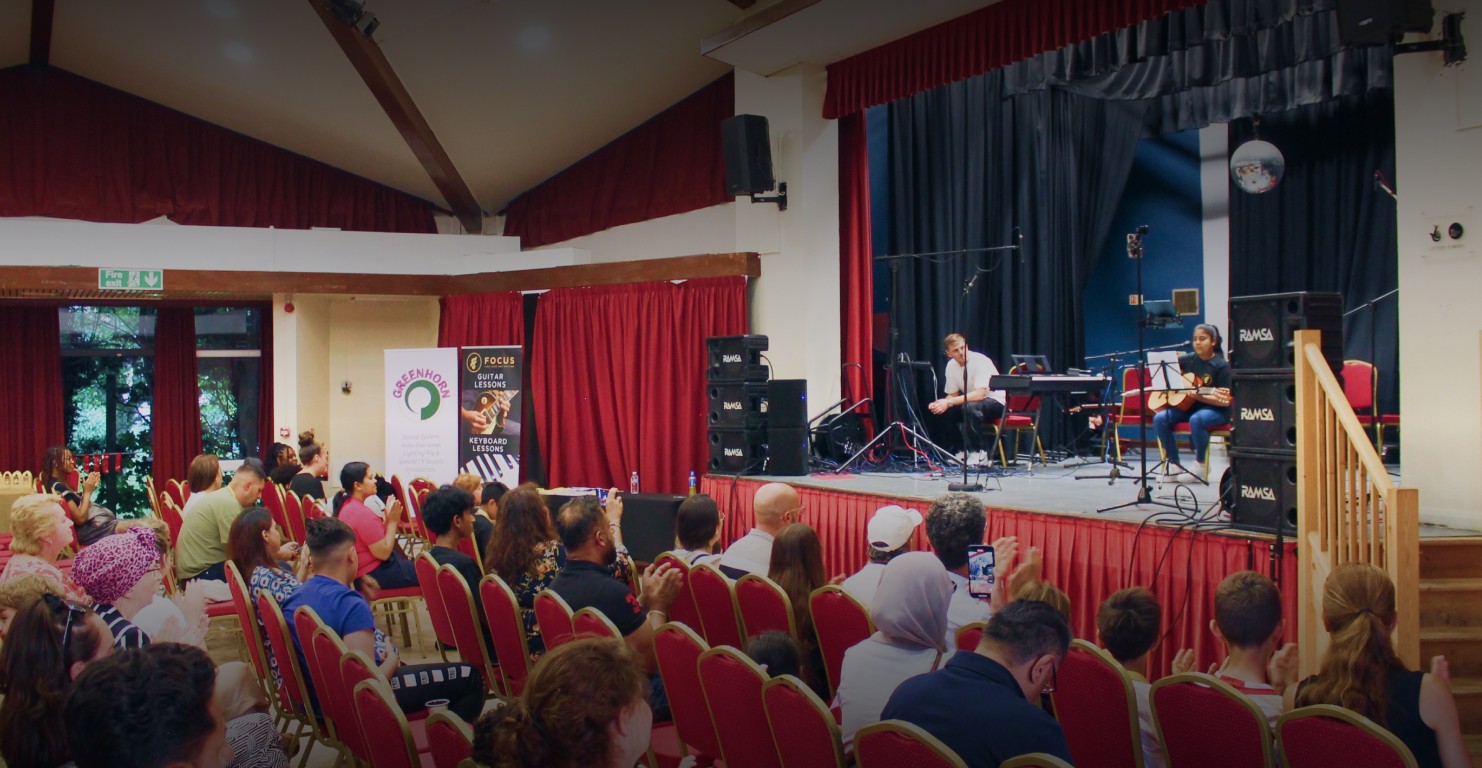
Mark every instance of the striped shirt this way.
pixel 125 634
pixel 1262 694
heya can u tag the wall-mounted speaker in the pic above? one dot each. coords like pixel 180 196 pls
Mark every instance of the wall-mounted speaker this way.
pixel 748 152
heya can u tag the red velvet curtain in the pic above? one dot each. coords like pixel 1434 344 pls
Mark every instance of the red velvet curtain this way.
pixel 981 41
pixel 1087 557
pixel 75 149
pixel 671 164
pixel 856 265
pixel 486 319
pixel 30 385
pixel 176 411
pixel 619 379
pixel 265 422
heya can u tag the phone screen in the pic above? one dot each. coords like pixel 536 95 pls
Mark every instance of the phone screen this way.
pixel 980 570
pixel 602 496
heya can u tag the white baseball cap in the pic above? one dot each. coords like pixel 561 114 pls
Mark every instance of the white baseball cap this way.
pixel 890 527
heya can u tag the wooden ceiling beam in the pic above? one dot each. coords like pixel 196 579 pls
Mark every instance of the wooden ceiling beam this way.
pixel 368 59
pixel 42 13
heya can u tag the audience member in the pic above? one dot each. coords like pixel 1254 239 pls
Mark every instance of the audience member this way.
pixel 313 459
pixel 909 608
pixel 1361 671
pixel 203 476
pixel 484 516
pixel 953 522
pixel 282 464
pixel 122 574
pixel 335 554
pixel 775 506
pixel 1247 619
pixel 583 707
pixel 375 539
pixel 527 555
pixel 19 593
pixel 1129 623
pixel 797 567
pixel 200 551
pixel 448 513
pixel 985 704
pixel 777 653
pixel 256 547
pixel 40 530
pixel 93 521
pixel 1045 592
pixel 590 536
pixel 50 642
pixel 887 535
pixel 697 529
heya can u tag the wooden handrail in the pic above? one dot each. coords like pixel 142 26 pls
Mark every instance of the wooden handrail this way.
pixel 1349 510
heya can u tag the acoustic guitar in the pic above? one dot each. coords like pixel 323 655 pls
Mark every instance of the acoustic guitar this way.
pixel 1183 400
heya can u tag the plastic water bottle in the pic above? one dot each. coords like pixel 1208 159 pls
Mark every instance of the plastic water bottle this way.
pixel 633 482
pixel 693 489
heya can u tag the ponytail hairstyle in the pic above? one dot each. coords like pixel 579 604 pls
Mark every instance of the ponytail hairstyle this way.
pixel 45 639
pixel 1214 333
pixel 1358 608
pixel 352 473
pixel 564 716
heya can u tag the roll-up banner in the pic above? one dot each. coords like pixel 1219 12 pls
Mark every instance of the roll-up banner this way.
pixel 422 414
pixel 489 432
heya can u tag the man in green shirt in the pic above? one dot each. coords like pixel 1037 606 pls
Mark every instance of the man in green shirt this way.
pixel 200 552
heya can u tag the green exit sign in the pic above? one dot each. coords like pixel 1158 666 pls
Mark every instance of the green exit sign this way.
pixel 131 279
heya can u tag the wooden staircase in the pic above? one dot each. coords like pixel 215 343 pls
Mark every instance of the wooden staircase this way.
pixel 1451 623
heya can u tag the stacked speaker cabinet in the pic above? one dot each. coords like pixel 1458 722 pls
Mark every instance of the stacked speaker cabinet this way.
pixel 754 425
pixel 1262 490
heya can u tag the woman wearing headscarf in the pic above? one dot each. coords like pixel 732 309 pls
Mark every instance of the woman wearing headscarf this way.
pixel 910 614
pixel 122 574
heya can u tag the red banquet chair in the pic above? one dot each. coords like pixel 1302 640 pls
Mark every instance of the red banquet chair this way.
pixel 1184 706
pixel 733 691
pixel 388 735
pixel 840 622
pixel 683 609
pixel 437 613
pixel 555 619
pixel 1021 414
pixel 293 513
pixel 893 743
pixel 1097 709
pixel 272 501
pixel 463 619
pixel 1035 760
pixel 1322 735
pixel 252 634
pixel 716 601
pixel 590 622
pixel 356 668
pixel 449 739
pixel 678 649
pixel 803 729
pixel 507 631
pixel 1360 379
pixel 295 692
pixel 170 512
pixel 969 634
pixel 764 607
pixel 1132 411
pixel 333 705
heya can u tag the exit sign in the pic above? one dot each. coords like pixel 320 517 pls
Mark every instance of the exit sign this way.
pixel 131 279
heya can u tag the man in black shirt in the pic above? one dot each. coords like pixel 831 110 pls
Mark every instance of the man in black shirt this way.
pixel 448 512
pixel 483 517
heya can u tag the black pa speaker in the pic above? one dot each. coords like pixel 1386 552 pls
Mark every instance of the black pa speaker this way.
pixel 1263 491
pixel 787 403
pixel 735 358
pixel 737 451
pixel 648 523
pixel 737 405
pixel 748 155
pixel 1264 415
pixel 1261 329
pixel 787 450
pixel 1380 22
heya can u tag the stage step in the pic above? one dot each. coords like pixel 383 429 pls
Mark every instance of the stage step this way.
pixel 1461 647
pixel 1454 603
pixel 1468 694
pixel 1457 557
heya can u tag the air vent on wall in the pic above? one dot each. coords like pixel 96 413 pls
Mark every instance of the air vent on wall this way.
pixel 1186 301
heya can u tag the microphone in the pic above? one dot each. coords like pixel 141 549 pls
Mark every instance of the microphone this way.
pixel 970 283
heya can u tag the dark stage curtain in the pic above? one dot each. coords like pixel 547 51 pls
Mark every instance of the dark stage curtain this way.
pixel 1327 226
pixel 968 166
pixel 30 385
pixel 975 43
pixel 619 379
pixel 674 163
pixel 266 433
pixel 488 319
pixel 856 265
pixel 75 149
pixel 176 420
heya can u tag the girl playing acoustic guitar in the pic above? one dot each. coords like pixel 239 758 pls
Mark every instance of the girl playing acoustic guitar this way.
pixel 1203 408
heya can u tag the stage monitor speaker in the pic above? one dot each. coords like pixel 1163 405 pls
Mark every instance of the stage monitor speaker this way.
pixel 737 405
pixel 787 451
pixel 1263 491
pixel 1261 329
pixel 839 436
pixel 737 451
pixel 787 403
pixel 735 358
pixel 748 152
pixel 1264 415
pixel 648 523
pixel 1381 22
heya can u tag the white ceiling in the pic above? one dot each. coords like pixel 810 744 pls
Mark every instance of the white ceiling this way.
pixel 515 90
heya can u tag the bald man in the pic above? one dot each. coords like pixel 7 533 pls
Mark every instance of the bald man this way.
pixel 777 506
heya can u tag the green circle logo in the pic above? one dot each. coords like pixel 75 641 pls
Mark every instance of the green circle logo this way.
pixel 423 405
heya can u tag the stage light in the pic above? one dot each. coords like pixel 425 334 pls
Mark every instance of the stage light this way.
pixel 354 14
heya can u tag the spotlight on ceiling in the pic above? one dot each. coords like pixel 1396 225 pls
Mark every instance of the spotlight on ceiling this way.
pixel 354 14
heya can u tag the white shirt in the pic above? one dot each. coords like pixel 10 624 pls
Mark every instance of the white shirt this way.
pixel 1152 749
pixel 692 556
pixel 870 673
pixel 151 618
pixel 751 553
pixel 963 608
pixel 980 369
pixel 861 586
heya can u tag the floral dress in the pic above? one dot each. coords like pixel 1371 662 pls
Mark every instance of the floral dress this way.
pixel 281 584
pixel 550 559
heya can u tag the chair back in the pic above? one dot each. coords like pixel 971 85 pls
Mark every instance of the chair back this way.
pixel 803 729
pixel 678 649
pixel 272 501
pixel 1184 706
pixel 507 630
pixel 449 739
pixel 716 601
pixel 1360 379
pixel 174 519
pixel 1021 404
pixel 1097 709
pixel 306 623
pixel 178 492
pixel 683 609
pixel 764 607
pixel 247 617
pixel 840 622
pixel 154 494
pixel 1322 735
pixel 387 734
pixel 590 622
pixel 554 617
pixel 334 697
pixel 293 512
pixel 463 619
pixel 470 547
pixel 1035 760
pixel 295 691
pixel 733 691
pixel 1135 379
pixel 969 634
pixel 436 611
pixel 890 743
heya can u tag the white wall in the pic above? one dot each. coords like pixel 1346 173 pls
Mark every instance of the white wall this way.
pixel 1438 154
pixel 1214 185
